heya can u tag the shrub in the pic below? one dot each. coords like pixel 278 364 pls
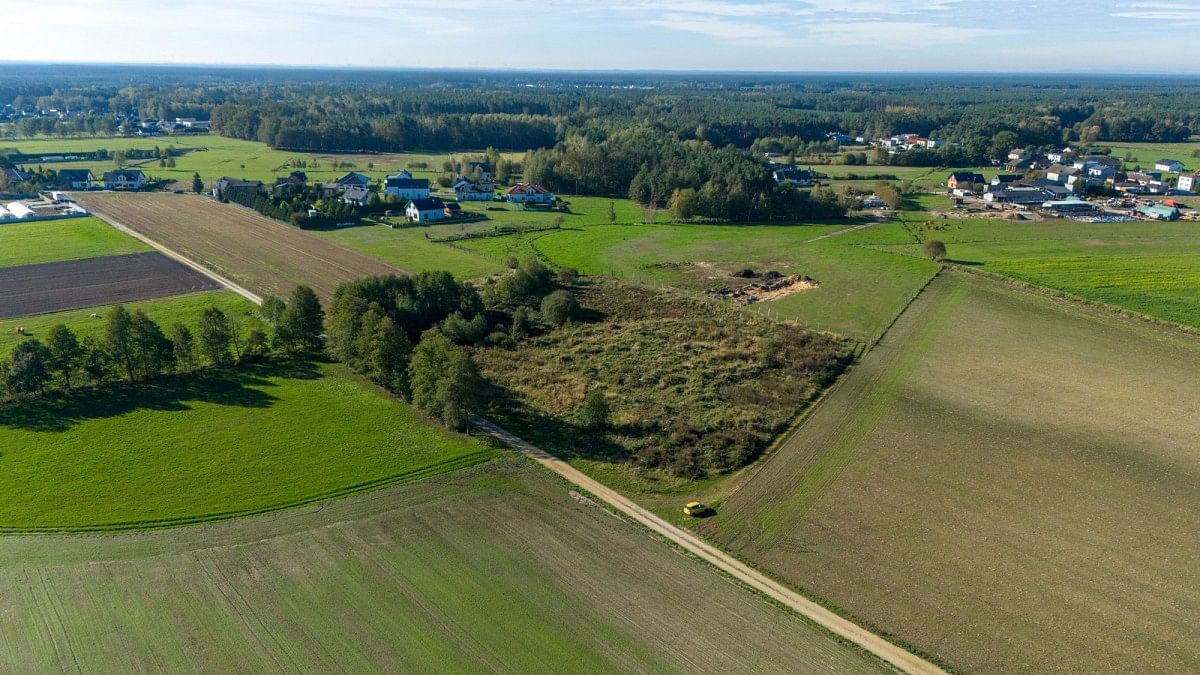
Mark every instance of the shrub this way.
pixel 936 250
pixel 593 413
pixel 567 275
pixel 559 308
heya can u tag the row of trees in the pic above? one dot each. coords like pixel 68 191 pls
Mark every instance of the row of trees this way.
pixel 136 348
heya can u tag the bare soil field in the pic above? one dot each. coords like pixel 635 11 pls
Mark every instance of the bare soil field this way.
pixel 1006 483
pixel 264 255
pixel 491 569
pixel 58 286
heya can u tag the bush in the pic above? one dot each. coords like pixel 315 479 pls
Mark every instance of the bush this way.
pixel 593 413
pixel 567 275
pixel 935 249
pixel 559 307
pixel 464 331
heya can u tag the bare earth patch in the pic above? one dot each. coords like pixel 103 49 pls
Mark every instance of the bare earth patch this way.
pixel 766 290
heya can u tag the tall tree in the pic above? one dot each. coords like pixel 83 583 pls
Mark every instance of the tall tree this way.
pixel 118 339
pixel 184 345
pixel 197 183
pixel 445 380
pixel 154 350
pixel 94 360
pixel 65 352
pixel 29 368
pixel 215 333
pixel 303 320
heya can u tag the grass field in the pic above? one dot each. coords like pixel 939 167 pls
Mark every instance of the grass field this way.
pixel 29 243
pixel 183 309
pixel 1149 268
pixel 261 254
pixel 212 444
pixel 1146 154
pixel 1005 482
pixel 409 248
pixel 490 569
pixel 861 288
pixel 214 156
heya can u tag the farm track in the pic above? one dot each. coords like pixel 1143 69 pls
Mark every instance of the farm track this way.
pixel 891 653
pixel 262 255
pixel 74 284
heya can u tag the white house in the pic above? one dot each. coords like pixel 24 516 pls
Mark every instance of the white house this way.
pixel 1189 182
pixel 1168 165
pixel 75 179
pixel 425 210
pixel 529 193
pixel 406 188
pixel 125 179
pixel 470 191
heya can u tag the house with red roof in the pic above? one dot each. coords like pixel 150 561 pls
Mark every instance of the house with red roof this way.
pixel 529 193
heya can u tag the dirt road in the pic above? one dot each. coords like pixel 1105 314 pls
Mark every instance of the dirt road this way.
pixel 893 654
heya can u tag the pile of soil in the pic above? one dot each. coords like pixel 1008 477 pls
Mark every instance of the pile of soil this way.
pixel 772 287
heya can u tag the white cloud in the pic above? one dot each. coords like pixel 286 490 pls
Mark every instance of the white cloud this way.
pixel 741 33
pixel 899 34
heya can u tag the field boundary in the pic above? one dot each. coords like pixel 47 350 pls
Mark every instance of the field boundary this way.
pixel 256 299
pixel 429 470
pixel 898 656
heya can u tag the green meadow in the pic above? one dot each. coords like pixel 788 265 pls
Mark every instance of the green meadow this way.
pixel 28 243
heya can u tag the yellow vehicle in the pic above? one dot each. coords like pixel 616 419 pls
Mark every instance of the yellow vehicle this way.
pixel 695 509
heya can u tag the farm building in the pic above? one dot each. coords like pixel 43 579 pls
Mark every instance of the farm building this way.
pixel 19 210
pixel 353 178
pixel 1002 179
pixel 1072 206
pixel 425 209
pixel 124 179
pixel 1168 165
pixel 356 195
pixel 406 188
pixel 5 214
pixel 963 179
pixel 1159 212
pixel 529 193
pixel 75 179
pixel 469 191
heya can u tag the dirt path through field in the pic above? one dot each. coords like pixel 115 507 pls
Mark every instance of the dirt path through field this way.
pixel 837 625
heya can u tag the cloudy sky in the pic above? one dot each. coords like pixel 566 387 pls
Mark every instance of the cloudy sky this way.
pixel 776 35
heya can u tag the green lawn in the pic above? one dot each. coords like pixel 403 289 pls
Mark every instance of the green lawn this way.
pixel 861 289
pixel 28 243
pixel 1146 154
pixel 409 248
pixel 215 156
pixel 183 309
pixel 213 444
pixel 1145 267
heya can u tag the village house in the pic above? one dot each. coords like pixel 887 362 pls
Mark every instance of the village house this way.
pixel 1059 173
pixel 13 174
pixel 964 180
pixel 124 179
pixel 1168 166
pixel 469 191
pixel 482 169
pixel 453 210
pixel 1085 163
pixel 352 178
pixel 294 182
pixel 792 175
pixel 236 189
pixel 1189 182
pixel 406 188
pixel 356 195
pixel 75 179
pixel 529 193
pixel 1002 179
pixel 425 209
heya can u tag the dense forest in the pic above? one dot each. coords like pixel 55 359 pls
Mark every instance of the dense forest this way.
pixel 654 137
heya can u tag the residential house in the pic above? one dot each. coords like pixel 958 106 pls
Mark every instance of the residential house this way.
pixel 483 169
pixel 356 195
pixel 962 179
pixel 294 182
pixel 406 188
pixel 404 173
pixel 237 190
pixel 1018 154
pixel 469 191
pixel 934 144
pixel 75 179
pixel 14 174
pixel 453 210
pixel 1059 173
pixel 1002 179
pixel 792 175
pixel 1020 165
pixel 124 179
pixel 1101 171
pixel 1189 182
pixel 1085 163
pixel 839 137
pixel 352 178
pixel 872 202
pixel 529 193
pixel 425 209
pixel 331 190
pixel 1168 166
pixel 1061 156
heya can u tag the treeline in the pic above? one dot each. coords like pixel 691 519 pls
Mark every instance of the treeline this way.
pixel 135 348
pixel 693 178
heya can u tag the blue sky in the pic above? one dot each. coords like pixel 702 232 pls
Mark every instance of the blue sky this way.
pixel 777 35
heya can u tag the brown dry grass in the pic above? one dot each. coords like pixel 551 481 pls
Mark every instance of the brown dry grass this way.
pixel 262 254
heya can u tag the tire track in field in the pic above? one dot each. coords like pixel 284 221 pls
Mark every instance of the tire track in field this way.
pixel 54 612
